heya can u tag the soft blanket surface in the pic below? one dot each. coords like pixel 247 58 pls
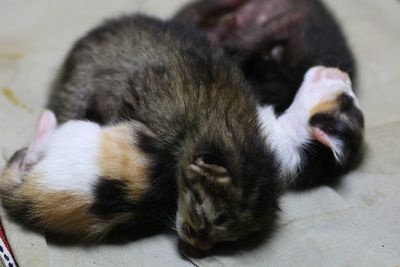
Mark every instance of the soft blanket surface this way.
pixel 355 223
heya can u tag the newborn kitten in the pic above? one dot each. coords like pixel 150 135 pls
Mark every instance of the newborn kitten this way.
pixel 84 180
pixel 70 178
pixel 275 42
pixel 317 135
pixel 206 135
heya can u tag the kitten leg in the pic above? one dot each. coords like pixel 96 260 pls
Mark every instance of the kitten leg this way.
pixel 321 133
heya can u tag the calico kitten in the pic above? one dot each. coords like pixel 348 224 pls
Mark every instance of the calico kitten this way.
pixel 206 135
pixel 324 119
pixel 275 42
pixel 68 178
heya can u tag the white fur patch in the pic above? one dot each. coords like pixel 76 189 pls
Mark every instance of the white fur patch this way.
pixel 285 135
pixel 70 160
pixel 291 131
pixel 312 92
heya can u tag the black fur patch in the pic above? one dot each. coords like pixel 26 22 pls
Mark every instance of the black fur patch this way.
pixel 163 189
pixel 319 164
pixel 111 198
pixel 21 212
pixel 153 206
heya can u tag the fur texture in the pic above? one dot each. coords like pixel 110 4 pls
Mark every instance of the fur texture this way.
pixel 194 100
pixel 291 134
pixel 275 42
pixel 61 192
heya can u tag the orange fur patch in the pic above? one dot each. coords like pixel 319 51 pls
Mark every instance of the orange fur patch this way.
pixel 119 158
pixel 64 211
pixel 324 107
pixel 59 211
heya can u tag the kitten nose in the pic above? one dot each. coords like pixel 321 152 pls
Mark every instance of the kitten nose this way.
pixel 203 243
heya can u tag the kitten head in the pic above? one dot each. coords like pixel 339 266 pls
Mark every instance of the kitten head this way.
pixel 226 196
pixel 340 127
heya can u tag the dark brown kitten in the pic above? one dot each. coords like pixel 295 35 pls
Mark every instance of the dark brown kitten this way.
pixel 206 134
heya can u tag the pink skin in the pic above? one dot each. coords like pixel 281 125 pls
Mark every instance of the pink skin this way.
pixel 329 73
pixel 46 125
pixel 321 137
pixel 317 75
pixel 252 22
pixel 197 12
pixel 257 13
pixel 332 73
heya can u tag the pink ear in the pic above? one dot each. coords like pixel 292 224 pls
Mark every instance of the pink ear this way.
pixel 321 137
pixel 333 143
pixel 46 125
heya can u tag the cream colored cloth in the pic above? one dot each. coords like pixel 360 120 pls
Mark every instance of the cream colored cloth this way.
pixel 356 223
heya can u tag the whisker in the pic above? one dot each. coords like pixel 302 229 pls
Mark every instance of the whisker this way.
pixel 188 258
pixel 168 225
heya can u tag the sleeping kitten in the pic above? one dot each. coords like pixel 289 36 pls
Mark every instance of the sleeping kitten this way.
pixel 69 177
pixel 320 130
pixel 85 180
pixel 183 90
pixel 275 42
pixel 206 135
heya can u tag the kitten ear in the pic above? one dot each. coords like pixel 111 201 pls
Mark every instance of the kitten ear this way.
pixel 210 167
pixel 46 125
pixel 332 142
